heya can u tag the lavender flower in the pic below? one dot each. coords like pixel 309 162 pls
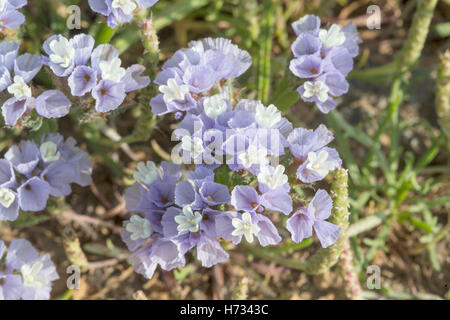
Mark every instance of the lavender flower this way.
pixel 196 212
pixel 105 77
pixel 10 17
pixel 31 173
pixel 119 11
pixel 324 58
pixel 50 104
pixel 24 274
pixel 309 147
pixel 301 224
pixel 194 71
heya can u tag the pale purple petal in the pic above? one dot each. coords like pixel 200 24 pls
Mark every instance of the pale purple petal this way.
pixel 168 222
pixel 145 3
pixel 224 227
pixel 5 78
pixel 59 175
pixel 100 6
pixel 327 232
pixel 308 23
pixel 20 252
pixel 306 66
pixel 25 158
pixel 268 234
pixel 134 80
pixel 7 175
pixel 11 19
pixel 33 194
pixel 53 104
pixel 214 193
pixel 83 45
pixel 277 200
pixel 8 53
pixel 245 198
pixel 300 226
pixel 27 66
pixel 322 204
pixel 11 213
pixel 301 141
pixel 12 287
pixel 108 95
pixel 167 254
pixel 82 80
pixel 209 252
pixel 142 262
pixel 13 110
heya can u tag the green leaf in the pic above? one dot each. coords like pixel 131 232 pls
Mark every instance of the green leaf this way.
pixel 442 29
pixel 222 175
pixel 177 11
pixel 284 96
pixel 433 258
pixel 28 219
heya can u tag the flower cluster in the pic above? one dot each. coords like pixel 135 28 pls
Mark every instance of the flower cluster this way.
pixel 323 58
pixel 244 139
pixel 16 72
pixel 10 17
pixel 29 174
pixel 104 77
pixel 119 11
pixel 194 71
pixel 23 273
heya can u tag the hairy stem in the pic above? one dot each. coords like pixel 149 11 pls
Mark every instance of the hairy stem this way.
pixel 353 288
pixel 443 94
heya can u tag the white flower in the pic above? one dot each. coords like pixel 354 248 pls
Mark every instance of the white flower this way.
pixel 30 275
pixel 127 6
pixel 192 145
pixel 7 198
pixel 63 52
pixel 245 227
pixel 173 91
pixel 189 220
pixel 49 152
pixel 112 70
pixel 332 37
pixel 272 180
pixel 146 173
pixel 318 88
pixel 214 106
pixel 319 163
pixel 2 4
pixel 267 117
pixel 139 228
pixel 19 89
pixel 253 156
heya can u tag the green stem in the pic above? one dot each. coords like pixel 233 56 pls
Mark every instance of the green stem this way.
pixel 104 34
pixel 352 286
pixel 265 52
pixel 443 94
pixel 404 62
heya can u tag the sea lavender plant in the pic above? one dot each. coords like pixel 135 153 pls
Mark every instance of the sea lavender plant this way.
pixel 323 58
pixel 244 139
pixel 16 73
pixel 10 17
pixel 31 173
pixel 98 71
pixel 23 273
pixel 119 11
